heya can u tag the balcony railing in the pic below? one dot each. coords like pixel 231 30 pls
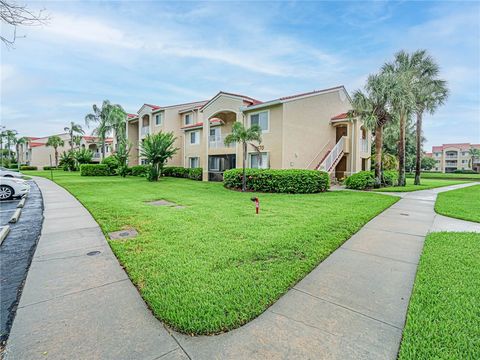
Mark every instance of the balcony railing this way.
pixel 96 155
pixel 364 145
pixel 145 130
pixel 216 142
pixel 451 157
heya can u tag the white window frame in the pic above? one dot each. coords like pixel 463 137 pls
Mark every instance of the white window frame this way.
pixel 190 116
pixel 160 117
pixel 216 159
pixel 258 112
pixel 197 137
pixel 267 162
pixel 190 158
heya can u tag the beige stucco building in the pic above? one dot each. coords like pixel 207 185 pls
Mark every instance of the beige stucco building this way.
pixel 451 157
pixel 303 131
pixel 35 152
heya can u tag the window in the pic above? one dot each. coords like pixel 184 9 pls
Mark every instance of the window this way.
pixel 159 118
pixel 188 119
pixel 195 138
pixel 214 163
pixel 260 119
pixel 194 162
pixel 259 160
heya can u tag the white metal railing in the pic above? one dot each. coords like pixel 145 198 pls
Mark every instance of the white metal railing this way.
pixel 96 155
pixel 364 145
pixel 330 159
pixel 145 130
pixel 218 141
pixel 319 155
pixel 451 157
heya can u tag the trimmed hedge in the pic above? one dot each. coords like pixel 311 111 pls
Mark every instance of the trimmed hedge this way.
pixel 112 164
pixel 94 170
pixel 178 171
pixel 293 181
pixel 465 172
pixel 25 167
pixel 51 168
pixel 139 170
pixel 366 179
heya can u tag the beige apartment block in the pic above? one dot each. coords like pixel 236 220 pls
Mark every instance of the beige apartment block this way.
pixel 304 131
pixel 35 152
pixel 451 157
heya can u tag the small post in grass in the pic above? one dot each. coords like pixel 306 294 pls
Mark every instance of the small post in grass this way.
pixel 51 170
pixel 257 204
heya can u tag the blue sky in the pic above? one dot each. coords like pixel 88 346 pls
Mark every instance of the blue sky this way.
pixel 172 52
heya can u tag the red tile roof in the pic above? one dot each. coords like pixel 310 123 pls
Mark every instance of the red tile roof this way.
pixel 35 144
pixel 461 146
pixel 154 107
pixel 340 116
pixel 33 138
pixel 131 116
pixel 198 124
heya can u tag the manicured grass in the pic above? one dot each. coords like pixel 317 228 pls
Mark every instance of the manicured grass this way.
pixel 425 184
pixel 443 320
pixel 451 176
pixel 215 265
pixel 461 203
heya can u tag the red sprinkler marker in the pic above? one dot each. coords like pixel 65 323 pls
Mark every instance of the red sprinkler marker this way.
pixel 257 204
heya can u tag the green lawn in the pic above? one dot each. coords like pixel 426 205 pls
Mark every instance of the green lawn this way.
pixel 424 185
pixel 451 176
pixel 215 265
pixel 461 203
pixel 443 320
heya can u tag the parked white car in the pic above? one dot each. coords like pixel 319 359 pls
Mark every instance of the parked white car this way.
pixel 11 187
pixel 4 172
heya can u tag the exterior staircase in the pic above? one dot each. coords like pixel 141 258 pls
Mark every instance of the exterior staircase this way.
pixel 332 157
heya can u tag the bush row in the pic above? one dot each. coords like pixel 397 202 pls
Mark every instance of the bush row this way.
pixel 178 171
pixel 25 167
pixel 366 180
pixel 278 181
pixel 94 170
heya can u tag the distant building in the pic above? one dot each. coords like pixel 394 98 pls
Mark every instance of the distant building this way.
pixel 35 152
pixel 451 157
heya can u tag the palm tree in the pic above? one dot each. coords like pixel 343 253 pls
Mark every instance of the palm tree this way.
pixel 73 130
pixel 242 135
pixel 11 138
pixel 157 149
pixel 402 97
pixel 55 141
pixel 474 154
pixel 371 108
pixel 20 141
pixel 99 116
pixel 430 92
pixel 118 123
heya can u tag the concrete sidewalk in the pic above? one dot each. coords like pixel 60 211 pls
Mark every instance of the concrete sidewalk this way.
pixel 351 306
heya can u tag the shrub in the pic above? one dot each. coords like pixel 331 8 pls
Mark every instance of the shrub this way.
pixel 465 172
pixel 139 170
pixel 25 167
pixel 50 168
pixel 112 164
pixel 278 181
pixel 390 177
pixel 178 171
pixel 361 180
pixel 94 170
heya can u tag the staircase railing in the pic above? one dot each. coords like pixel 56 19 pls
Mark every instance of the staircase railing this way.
pixel 317 156
pixel 333 156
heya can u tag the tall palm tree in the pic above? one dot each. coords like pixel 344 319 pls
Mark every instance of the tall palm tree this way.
pixel 157 149
pixel 243 135
pixel 430 92
pixel 118 123
pixel 402 97
pixel 55 141
pixel 474 154
pixel 371 107
pixel 11 138
pixel 21 141
pixel 73 130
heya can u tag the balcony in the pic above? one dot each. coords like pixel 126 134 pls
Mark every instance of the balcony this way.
pixel 96 155
pixel 451 157
pixel 217 142
pixel 364 145
pixel 145 130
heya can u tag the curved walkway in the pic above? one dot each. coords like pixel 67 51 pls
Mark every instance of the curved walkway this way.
pixel 352 305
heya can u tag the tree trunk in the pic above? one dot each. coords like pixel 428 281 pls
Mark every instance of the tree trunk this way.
pixel 418 160
pixel 56 157
pixel 71 142
pixel 244 179
pixel 401 151
pixel 103 149
pixel 378 155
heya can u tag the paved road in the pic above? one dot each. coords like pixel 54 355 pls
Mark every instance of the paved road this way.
pixel 16 253
pixel 351 306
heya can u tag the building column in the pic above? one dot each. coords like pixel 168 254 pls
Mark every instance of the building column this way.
pixel 206 134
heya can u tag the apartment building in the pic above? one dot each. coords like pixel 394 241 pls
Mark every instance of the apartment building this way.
pixel 451 157
pixel 35 152
pixel 304 131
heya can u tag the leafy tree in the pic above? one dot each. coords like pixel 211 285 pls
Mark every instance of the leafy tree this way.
pixel 55 141
pixel 118 123
pixel 371 107
pixel 430 92
pixel 83 156
pixel 157 149
pixel 10 137
pixel 474 155
pixel 428 163
pixel 75 132
pixel 67 161
pixel 121 155
pixel 244 136
pixel 402 98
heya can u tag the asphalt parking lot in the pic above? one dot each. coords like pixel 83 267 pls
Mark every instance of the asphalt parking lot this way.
pixel 16 253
